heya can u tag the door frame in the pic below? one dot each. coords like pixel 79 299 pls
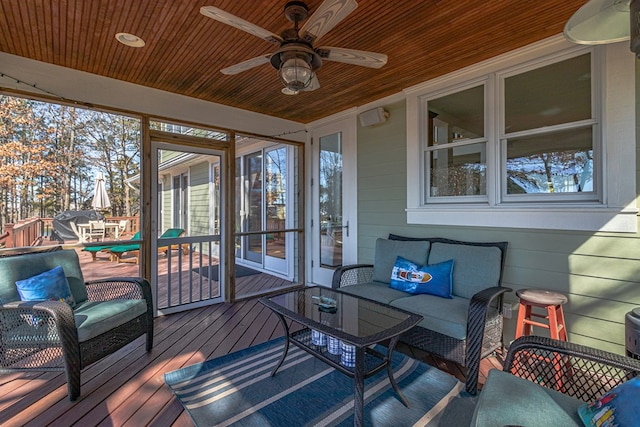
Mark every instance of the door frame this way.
pixel 159 143
pixel 348 128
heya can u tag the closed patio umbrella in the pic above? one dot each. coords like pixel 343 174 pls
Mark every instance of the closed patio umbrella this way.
pixel 100 196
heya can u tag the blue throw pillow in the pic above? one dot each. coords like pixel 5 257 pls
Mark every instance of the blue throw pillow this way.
pixel 432 279
pixel 51 285
pixel 618 406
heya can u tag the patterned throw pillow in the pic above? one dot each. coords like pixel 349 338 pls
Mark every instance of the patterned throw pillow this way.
pixel 435 279
pixel 51 285
pixel 617 407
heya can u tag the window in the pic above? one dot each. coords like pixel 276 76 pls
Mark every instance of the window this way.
pixel 549 132
pixel 543 137
pixel 455 152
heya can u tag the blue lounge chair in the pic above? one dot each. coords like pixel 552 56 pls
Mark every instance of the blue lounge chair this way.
pixel 93 250
pixel 134 248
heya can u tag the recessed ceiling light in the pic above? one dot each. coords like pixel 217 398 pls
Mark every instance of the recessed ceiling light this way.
pixel 130 39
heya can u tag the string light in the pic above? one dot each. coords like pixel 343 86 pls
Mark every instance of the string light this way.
pixel 289 133
pixel 20 82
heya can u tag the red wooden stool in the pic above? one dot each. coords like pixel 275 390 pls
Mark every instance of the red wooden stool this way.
pixel 552 302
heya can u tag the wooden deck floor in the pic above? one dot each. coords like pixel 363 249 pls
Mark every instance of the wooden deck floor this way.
pixel 127 387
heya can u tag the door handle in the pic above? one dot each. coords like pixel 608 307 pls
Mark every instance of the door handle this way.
pixel 347 228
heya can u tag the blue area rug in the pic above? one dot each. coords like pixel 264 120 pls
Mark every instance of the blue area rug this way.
pixel 237 389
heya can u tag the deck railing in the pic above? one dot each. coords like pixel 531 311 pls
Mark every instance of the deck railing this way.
pixel 32 231
pixel 26 232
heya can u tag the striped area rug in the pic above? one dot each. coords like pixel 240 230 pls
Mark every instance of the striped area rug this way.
pixel 237 389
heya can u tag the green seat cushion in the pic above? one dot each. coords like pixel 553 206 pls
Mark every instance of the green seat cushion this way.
pixel 446 316
pixel 115 247
pixel 95 248
pixel 380 292
pixel 507 400
pixel 172 233
pixel 125 248
pixel 475 267
pixel 94 318
pixel 387 251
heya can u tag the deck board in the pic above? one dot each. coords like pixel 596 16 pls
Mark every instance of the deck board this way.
pixel 127 387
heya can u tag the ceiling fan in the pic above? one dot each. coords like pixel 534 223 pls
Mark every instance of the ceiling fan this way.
pixel 297 60
pixel 606 21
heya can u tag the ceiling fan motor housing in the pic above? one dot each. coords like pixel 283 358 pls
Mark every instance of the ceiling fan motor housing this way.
pixel 288 50
pixel 296 11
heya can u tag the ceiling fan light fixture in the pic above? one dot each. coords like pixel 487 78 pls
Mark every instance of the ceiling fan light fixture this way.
pixel 288 91
pixel 295 72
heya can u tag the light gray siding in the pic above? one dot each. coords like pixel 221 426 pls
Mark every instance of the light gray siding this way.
pixel 199 199
pixel 600 272
pixel 166 203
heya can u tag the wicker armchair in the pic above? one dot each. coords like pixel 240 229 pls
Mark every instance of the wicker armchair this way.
pixel 546 382
pixel 583 372
pixel 51 336
pixel 484 319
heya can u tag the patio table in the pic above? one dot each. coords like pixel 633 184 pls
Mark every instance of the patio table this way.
pixel 353 320
pixel 84 230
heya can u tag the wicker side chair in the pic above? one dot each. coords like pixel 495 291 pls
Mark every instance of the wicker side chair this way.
pixel 51 336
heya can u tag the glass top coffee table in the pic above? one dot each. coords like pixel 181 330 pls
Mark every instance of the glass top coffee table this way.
pixel 340 330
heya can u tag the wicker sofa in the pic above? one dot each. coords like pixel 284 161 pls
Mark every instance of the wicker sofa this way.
pixel 544 381
pixel 463 329
pixel 53 336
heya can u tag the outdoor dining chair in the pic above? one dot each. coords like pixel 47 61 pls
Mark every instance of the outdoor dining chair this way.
pixel 122 226
pixel 97 230
pixel 77 232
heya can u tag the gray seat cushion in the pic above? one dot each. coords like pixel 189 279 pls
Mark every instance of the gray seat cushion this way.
pixel 446 316
pixel 376 291
pixel 507 400
pixel 474 268
pixel 388 250
pixel 94 318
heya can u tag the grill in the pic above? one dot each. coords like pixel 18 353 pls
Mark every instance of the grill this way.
pixel 632 333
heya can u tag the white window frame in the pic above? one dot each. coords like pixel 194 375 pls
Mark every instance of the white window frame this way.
pixel 487 85
pixel 593 122
pixel 613 210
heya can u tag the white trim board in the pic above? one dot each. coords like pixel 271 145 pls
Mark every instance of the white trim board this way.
pixel 107 92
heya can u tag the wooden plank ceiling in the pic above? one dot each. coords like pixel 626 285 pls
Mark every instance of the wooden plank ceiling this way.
pixel 185 50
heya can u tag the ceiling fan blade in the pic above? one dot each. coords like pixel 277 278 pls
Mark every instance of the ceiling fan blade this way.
pixel 352 56
pixel 246 65
pixel 327 16
pixel 229 19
